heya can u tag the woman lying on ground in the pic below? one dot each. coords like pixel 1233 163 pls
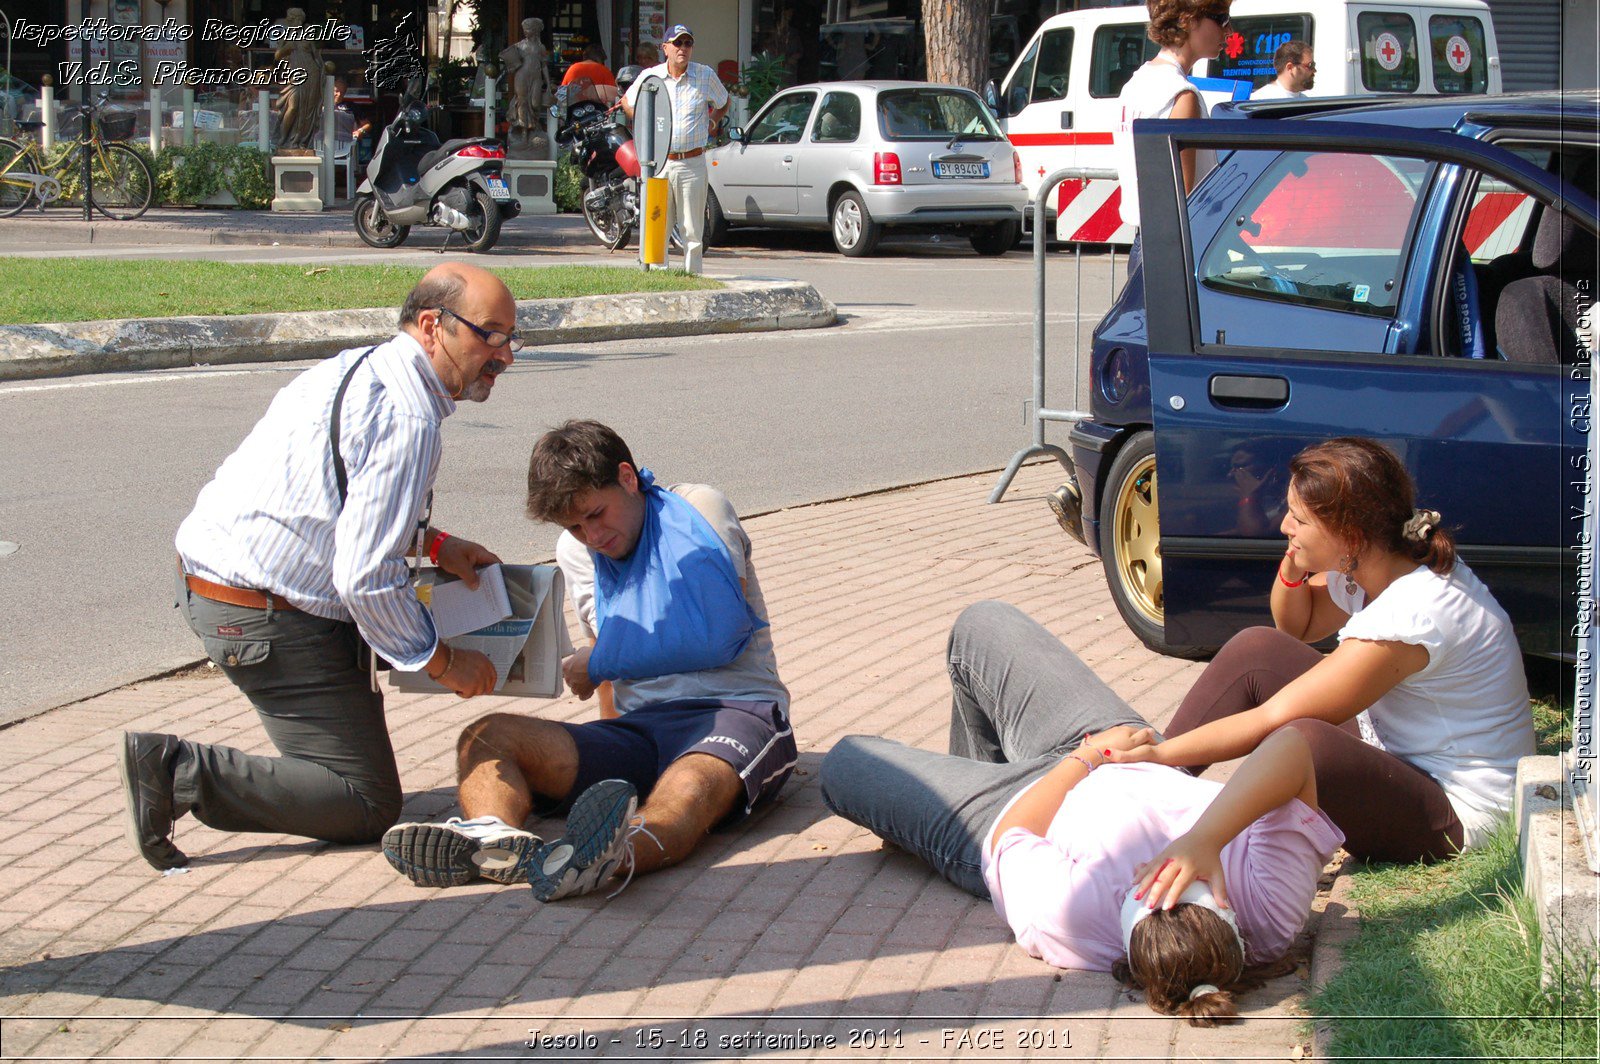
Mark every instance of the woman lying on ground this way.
pixel 1095 865
pixel 1417 720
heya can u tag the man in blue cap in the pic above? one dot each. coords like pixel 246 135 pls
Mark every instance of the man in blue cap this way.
pixel 699 100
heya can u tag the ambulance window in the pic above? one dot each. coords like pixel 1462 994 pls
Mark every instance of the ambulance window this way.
pixel 1020 86
pixel 1388 51
pixel 1247 51
pixel 1118 52
pixel 1460 62
pixel 1055 63
pixel 1320 229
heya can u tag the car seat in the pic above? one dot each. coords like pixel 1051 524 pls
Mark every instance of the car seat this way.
pixel 829 127
pixel 1537 318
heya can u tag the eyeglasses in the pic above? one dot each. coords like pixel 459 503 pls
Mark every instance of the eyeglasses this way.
pixel 686 44
pixel 1222 21
pixel 493 337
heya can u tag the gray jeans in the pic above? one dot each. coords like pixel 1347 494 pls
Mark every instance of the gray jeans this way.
pixel 1021 701
pixel 337 779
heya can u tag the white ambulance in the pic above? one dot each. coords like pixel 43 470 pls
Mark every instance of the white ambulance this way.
pixel 1058 103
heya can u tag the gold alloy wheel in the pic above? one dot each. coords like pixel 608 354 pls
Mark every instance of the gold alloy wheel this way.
pixel 1136 538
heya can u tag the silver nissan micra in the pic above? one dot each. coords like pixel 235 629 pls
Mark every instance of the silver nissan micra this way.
pixel 856 156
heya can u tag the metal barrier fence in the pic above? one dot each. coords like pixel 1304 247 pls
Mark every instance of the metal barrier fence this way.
pixel 1042 413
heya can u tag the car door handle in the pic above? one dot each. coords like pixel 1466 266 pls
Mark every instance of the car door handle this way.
pixel 788 158
pixel 1066 119
pixel 1258 392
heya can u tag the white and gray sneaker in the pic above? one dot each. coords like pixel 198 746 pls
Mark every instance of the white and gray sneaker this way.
pixel 458 851
pixel 594 847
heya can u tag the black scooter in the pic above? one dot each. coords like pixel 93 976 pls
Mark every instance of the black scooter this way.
pixel 415 180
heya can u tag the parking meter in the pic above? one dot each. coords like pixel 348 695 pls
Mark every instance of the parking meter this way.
pixel 652 134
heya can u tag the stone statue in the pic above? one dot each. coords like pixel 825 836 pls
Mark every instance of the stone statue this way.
pixel 525 74
pixel 299 106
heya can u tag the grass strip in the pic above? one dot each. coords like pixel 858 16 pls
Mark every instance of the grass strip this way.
pixel 1447 966
pixel 62 290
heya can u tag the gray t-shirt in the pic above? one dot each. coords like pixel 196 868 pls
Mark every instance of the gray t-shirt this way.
pixel 752 675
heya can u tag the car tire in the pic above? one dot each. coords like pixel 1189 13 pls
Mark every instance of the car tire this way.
pixel 1130 545
pixel 716 221
pixel 996 239
pixel 854 232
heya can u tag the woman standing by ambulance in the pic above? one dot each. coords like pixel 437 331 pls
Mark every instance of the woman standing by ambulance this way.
pixel 1187 31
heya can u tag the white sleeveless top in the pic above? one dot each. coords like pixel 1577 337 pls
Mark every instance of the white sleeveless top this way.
pixel 1464 719
pixel 1151 93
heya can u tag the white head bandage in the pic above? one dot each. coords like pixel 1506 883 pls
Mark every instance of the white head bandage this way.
pixel 1196 893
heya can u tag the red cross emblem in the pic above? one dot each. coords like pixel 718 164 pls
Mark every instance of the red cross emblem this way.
pixel 1041 171
pixel 1388 51
pixel 1458 55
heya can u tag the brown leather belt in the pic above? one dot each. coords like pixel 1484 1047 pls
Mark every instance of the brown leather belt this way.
pixel 237 596
pixel 677 156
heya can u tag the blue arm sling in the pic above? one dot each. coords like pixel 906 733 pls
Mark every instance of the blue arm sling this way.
pixel 674 604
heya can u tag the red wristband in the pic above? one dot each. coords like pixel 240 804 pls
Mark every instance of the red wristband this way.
pixel 1286 583
pixel 433 551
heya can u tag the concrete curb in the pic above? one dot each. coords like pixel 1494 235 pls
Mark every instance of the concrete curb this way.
pixel 29 352
pixel 1337 924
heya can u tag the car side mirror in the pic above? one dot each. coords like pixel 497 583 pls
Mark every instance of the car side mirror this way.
pixel 991 97
pixel 738 134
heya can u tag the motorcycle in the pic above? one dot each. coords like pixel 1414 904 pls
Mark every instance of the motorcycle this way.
pixel 604 154
pixel 413 179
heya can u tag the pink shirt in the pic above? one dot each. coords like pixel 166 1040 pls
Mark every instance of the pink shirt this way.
pixel 1062 893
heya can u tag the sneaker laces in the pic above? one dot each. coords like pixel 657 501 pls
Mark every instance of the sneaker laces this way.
pixel 635 827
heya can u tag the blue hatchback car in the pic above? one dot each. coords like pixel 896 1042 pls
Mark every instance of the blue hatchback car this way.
pixel 1420 271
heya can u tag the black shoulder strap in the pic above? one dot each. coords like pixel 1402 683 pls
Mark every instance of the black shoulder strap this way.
pixel 339 476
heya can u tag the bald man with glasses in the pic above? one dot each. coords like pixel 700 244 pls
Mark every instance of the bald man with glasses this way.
pixel 297 558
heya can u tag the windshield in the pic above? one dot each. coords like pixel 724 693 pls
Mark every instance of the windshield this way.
pixel 934 114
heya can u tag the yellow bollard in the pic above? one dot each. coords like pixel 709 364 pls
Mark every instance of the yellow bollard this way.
pixel 653 228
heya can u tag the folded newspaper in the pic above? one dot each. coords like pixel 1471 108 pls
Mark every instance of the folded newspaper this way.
pixel 516 618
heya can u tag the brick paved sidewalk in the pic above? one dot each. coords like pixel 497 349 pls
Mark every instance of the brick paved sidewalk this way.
pixel 330 228
pixel 793 926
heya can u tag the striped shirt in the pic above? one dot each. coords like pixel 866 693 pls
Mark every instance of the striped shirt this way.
pixel 270 518
pixel 692 96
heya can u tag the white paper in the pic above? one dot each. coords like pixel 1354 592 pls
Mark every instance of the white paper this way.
pixel 457 609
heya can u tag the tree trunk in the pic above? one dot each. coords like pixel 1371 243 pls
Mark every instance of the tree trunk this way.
pixel 957 37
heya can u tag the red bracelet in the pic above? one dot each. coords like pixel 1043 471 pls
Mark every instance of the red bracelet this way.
pixel 1286 583
pixel 433 551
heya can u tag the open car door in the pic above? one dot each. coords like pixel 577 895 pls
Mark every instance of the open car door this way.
pixel 1299 295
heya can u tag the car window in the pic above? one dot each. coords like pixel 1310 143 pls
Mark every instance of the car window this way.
pixel 1320 229
pixel 783 122
pixel 839 119
pixel 1118 51
pixel 1497 221
pixel 1388 51
pixel 1055 63
pixel 1019 87
pixel 1460 61
pixel 1248 50
pixel 934 114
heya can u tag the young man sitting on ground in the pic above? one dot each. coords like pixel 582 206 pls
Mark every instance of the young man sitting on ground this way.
pixel 663 584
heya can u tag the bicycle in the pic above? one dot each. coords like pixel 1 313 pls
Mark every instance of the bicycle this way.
pixel 120 182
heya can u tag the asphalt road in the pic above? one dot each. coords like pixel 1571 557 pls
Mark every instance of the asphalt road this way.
pixel 925 378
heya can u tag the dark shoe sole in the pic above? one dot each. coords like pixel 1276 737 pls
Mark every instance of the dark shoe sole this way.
pixel 431 855
pixel 506 861
pixel 598 819
pixel 160 853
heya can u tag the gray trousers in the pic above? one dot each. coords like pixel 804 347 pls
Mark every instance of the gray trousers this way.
pixel 1020 702
pixel 337 779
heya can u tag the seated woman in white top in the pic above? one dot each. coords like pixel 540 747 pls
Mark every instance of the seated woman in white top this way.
pixel 1417 720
